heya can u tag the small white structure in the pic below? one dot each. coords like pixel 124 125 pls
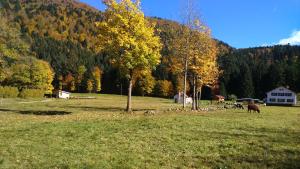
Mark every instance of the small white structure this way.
pixel 62 94
pixel 179 98
pixel 281 96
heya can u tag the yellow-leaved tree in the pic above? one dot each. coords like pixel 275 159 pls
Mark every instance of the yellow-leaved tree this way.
pixel 97 74
pixel 129 39
pixel 42 76
pixel 195 57
pixel 202 66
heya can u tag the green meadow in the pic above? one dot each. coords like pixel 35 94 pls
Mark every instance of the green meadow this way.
pixel 97 133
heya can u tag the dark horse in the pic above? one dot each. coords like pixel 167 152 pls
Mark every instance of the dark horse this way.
pixel 253 107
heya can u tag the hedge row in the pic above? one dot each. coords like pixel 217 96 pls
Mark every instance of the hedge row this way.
pixel 31 93
pixel 9 92
pixel 13 92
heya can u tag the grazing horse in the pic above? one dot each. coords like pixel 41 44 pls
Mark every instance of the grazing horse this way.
pixel 253 107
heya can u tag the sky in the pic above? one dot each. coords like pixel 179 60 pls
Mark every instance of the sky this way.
pixel 240 23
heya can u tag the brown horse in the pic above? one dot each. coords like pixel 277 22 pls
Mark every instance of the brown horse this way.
pixel 253 107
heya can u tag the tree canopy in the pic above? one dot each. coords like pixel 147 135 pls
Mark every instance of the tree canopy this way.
pixel 129 39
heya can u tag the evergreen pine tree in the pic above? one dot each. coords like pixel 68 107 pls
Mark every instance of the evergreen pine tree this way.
pixel 247 89
pixel 223 91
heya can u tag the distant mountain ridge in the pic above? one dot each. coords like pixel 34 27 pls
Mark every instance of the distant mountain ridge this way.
pixel 74 3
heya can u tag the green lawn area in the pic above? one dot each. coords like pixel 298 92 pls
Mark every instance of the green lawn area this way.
pixel 97 133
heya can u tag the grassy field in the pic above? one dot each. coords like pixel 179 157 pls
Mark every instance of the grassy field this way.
pixel 97 133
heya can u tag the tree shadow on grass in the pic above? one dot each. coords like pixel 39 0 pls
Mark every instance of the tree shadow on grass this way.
pixel 44 113
pixel 90 108
pixel 6 110
pixel 106 109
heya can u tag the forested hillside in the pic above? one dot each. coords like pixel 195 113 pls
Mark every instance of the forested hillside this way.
pixel 253 72
pixel 18 65
pixel 63 33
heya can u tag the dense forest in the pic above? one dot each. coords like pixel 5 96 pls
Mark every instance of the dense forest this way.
pixel 63 33
pixel 253 72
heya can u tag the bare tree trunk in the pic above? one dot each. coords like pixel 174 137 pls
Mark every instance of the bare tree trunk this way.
pixel 185 79
pixel 194 93
pixel 199 97
pixel 128 109
pixel 197 101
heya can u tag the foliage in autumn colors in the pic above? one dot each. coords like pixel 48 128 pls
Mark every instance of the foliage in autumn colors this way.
pixel 129 39
pixel 18 66
pixel 64 34
pixel 97 74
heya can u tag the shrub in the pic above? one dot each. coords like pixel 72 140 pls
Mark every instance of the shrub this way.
pixel 144 84
pixel 298 96
pixel 232 97
pixel 163 88
pixel 32 93
pixel 9 92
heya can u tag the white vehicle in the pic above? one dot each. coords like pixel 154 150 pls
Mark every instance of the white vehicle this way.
pixel 62 94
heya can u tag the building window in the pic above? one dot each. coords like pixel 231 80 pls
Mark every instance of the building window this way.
pixel 281 100
pixel 273 94
pixel 288 94
pixel 280 94
pixel 272 100
pixel 290 100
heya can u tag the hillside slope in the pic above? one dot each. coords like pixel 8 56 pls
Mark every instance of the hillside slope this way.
pixel 63 32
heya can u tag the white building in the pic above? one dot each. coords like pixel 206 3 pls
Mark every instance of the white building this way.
pixel 281 96
pixel 179 99
pixel 62 94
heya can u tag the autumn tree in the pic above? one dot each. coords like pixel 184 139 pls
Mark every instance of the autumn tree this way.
pixel 203 60
pixel 163 88
pixel 12 47
pixel 194 53
pixel 182 44
pixel 11 44
pixel 200 57
pixel 32 73
pixel 3 73
pixel 42 76
pixel 60 82
pixel 89 86
pixel 145 83
pixel 97 74
pixel 5 69
pixel 69 82
pixel 129 39
pixel 189 15
pixel 20 76
pixel 79 77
